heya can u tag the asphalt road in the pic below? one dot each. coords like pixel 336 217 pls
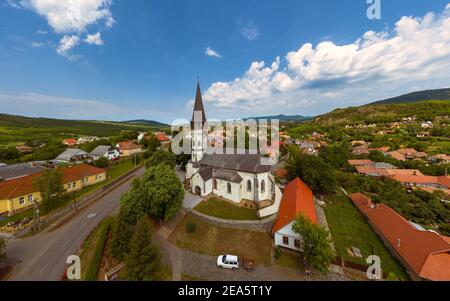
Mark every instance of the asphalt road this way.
pixel 43 257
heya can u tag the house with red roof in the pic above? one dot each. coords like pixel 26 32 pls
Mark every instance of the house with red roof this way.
pixel 128 148
pixel 70 142
pixel 297 199
pixel 425 254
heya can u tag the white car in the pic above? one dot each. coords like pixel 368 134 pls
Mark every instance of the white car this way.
pixel 228 262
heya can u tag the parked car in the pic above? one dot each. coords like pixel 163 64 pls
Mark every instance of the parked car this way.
pixel 228 262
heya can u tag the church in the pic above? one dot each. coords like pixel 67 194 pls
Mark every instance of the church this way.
pixel 240 178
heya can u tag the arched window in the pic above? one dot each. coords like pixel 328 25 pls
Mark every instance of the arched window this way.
pixel 214 184
pixel 229 188
pixel 263 186
pixel 249 185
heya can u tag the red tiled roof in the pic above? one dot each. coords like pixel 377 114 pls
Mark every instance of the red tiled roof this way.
pixel 415 179
pixel 297 199
pixel 161 137
pixel 405 172
pixel 383 149
pixel 128 145
pixel 397 156
pixel 70 141
pixel 444 181
pixel 426 253
pixel 22 186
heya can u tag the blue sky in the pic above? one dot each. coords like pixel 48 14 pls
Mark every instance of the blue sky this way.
pixel 127 59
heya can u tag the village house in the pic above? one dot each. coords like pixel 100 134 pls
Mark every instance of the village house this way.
pixel 425 254
pixel 421 181
pixel 309 147
pixel 439 159
pixel 105 151
pixel 162 138
pixel 240 178
pixel 366 163
pixel 128 148
pixel 381 169
pixel 13 171
pixel 73 155
pixel 70 142
pixel 298 199
pixel 87 139
pixel 18 194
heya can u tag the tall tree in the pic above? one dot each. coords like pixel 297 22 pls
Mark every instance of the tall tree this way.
pixel 143 259
pixel 123 231
pixel 53 194
pixel 162 156
pixel 315 243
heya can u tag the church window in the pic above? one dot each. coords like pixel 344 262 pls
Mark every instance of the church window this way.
pixel 214 184
pixel 229 188
pixel 249 185
pixel 263 186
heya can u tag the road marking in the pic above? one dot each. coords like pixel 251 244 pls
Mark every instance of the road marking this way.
pixel 65 244
pixel 43 269
pixel 91 215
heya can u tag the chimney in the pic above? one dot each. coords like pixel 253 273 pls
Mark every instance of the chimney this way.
pixel 398 243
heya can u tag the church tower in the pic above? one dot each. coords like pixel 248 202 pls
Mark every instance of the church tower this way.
pixel 199 135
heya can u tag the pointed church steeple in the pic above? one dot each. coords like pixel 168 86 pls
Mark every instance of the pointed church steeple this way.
pixel 198 105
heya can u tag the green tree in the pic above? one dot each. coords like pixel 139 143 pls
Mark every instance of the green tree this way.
pixel 151 143
pixel 2 248
pixel 316 246
pixel 162 156
pixel 101 162
pixel 122 233
pixel 158 193
pixel 9 155
pixel 313 171
pixel 53 194
pixel 143 259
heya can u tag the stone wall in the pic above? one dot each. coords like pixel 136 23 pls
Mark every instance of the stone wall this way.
pixel 264 225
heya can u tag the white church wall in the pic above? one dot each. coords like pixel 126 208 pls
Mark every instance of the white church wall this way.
pixel 222 191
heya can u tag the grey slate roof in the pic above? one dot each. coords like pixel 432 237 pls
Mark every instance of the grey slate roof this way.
pixel 384 165
pixel 209 172
pixel 69 153
pixel 245 163
pixel 19 170
pixel 100 150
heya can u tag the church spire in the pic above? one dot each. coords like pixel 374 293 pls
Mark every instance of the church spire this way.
pixel 198 105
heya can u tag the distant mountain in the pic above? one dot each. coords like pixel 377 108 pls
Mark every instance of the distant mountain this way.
pixel 439 94
pixel 283 118
pixel 145 121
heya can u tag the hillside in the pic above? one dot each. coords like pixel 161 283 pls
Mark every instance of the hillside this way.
pixel 387 112
pixel 18 129
pixel 439 94
pixel 145 122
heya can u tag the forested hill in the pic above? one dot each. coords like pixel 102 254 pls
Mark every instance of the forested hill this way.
pixel 439 94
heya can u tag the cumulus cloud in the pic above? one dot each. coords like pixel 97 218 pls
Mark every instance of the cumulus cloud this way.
pixel 211 52
pixel 414 55
pixel 66 44
pixel 70 17
pixel 94 39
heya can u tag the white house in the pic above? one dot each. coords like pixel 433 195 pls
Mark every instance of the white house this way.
pixel 73 155
pixel 105 151
pixel 297 199
pixel 235 177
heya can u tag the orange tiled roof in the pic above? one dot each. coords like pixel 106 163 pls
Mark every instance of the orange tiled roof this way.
pixel 161 137
pixel 22 186
pixel 408 172
pixel 415 179
pixel 360 162
pixel 426 253
pixel 297 199
pixel 397 155
pixel 444 181
pixel 70 141
pixel 128 145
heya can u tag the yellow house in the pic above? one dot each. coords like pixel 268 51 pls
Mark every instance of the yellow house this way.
pixel 18 194
pixel 128 148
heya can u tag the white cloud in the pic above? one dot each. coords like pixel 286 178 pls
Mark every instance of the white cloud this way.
pixel 66 44
pixel 41 32
pixel 415 55
pixel 71 17
pixel 94 39
pixel 250 32
pixel 211 52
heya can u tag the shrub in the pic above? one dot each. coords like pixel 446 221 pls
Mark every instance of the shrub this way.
pixel 277 252
pixel 94 265
pixel 191 227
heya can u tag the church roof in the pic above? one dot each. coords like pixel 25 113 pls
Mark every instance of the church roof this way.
pixel 209 172
pixel 198 106
pixel 238 162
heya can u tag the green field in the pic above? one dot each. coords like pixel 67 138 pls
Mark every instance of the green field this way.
pixel 225 210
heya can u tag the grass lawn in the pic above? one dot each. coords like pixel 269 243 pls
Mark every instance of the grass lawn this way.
pixel 185 277
pixel 18 217
pixel 225 210
pixel 349 229
pixel 290 260
pixel 213 240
